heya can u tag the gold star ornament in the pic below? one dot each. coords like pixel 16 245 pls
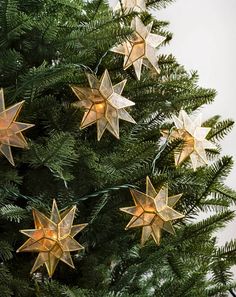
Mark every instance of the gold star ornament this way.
pixel 127 5
pixel 52 238
pixel 153 212
pixel 141 48
pixel 10 129
pixel 103 103
pixel 194 137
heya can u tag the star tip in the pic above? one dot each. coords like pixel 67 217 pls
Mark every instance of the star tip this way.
pixel 73 88
pixel 54 201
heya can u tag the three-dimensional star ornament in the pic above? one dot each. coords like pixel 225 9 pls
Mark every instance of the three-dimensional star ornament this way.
pixel 128 5
pixel 194 137
pixel 10 130
pixel 141 48
pixel 103 103
pixel 52 238
pixel 153 212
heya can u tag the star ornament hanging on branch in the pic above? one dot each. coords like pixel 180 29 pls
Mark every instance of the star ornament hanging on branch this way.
pixel 52 238
pixel 194 137
pixel 141 48
pixel 10 129
pixel 104 104
pixel 127 5
pixel 153 212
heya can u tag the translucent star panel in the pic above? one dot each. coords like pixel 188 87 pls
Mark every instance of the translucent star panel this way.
pixel 52 238
pixel 153 211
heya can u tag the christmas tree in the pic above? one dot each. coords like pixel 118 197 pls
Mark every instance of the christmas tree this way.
pixel 117 136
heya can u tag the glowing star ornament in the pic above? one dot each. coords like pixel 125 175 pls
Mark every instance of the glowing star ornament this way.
pixel 194 137
pixel 52 238
pixel 128 5
pixel 104 104
pixel 141 48
pixel 153 212
pixel 10 130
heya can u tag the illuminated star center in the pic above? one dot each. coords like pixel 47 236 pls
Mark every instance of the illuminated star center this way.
pixel 100 104
pixel 47 238
pixel 100 107
pixel 188 138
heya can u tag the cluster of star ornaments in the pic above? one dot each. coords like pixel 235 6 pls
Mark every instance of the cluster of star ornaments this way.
pixel 52 238
pixel 10 129
pixel 153 212
pixel 194 139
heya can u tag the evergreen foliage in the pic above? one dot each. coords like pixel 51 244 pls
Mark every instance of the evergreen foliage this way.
pixel 47 45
